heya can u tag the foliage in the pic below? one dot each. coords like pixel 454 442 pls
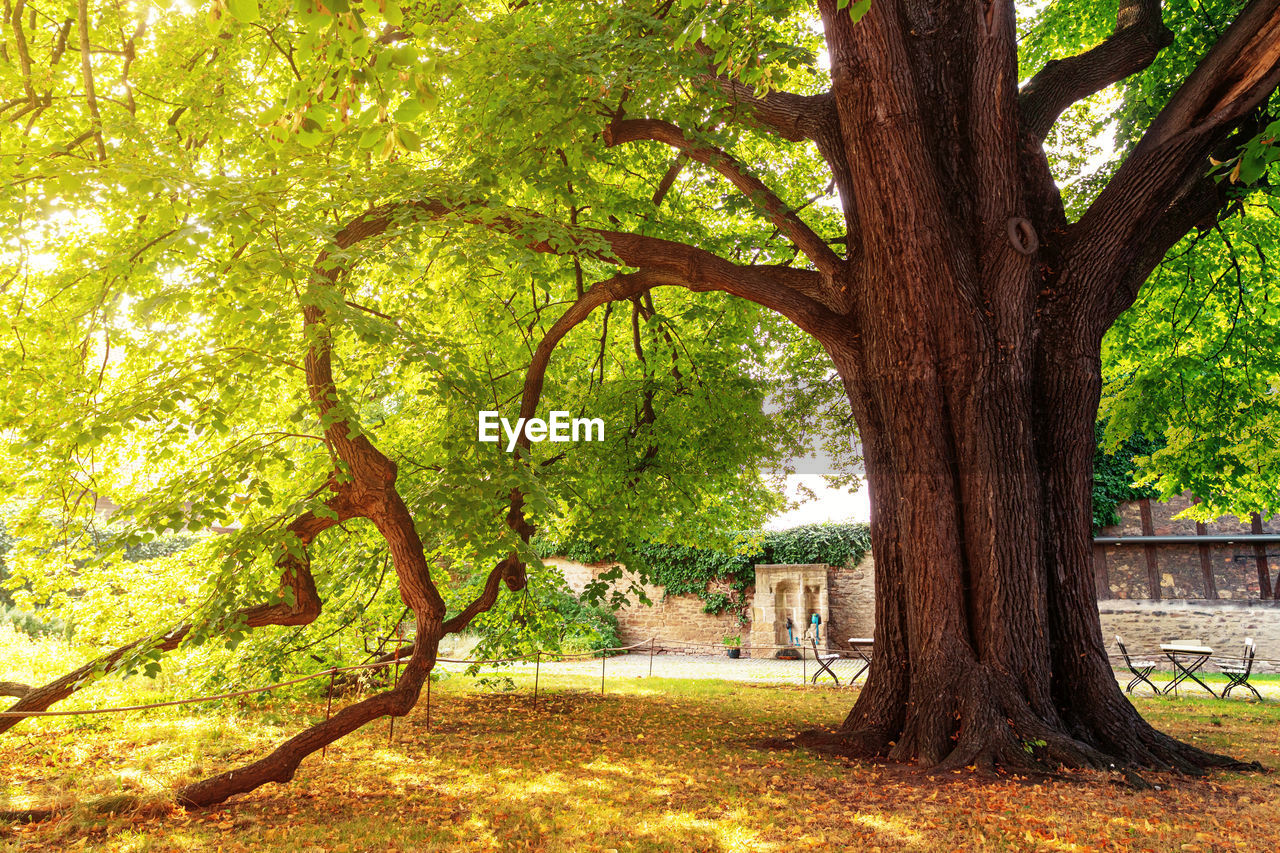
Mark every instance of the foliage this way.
pixel 545 617
pixel 1193 364
pixel 1190 365
pixel 1113 477
pixel 169 247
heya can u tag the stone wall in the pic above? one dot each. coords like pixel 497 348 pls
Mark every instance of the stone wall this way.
pixel 853 602
pixel 1221 625
pixel 675 619
pixel 849 610
pixel 1122 570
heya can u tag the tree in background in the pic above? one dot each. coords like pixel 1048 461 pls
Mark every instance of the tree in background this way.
pixel 409 178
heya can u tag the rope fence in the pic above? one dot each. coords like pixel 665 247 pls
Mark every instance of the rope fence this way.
pixel 832 665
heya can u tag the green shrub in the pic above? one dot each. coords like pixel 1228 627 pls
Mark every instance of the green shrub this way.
pixel 31 624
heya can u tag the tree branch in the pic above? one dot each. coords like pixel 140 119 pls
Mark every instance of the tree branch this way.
pixel 296 583
pixel 798 294
pixel 1139 35
pixel 86 69
pixel 24 55
pixel 793 117
pixel 1161 189
pixel 785 219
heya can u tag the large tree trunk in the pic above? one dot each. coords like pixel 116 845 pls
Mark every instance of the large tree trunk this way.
pixel 989 649
pixel 971 357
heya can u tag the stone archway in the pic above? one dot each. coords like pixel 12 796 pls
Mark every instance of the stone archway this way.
pixel 783 591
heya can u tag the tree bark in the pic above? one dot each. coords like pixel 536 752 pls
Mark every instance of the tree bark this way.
pixel 971 358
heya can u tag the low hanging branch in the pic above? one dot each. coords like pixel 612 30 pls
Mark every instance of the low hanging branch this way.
pixel 298 604
pixel 373 476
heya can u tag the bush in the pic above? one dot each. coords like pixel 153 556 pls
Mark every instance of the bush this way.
pixel 33 625
pixel 586 627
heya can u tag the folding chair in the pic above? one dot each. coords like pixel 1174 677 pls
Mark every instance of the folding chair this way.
pixel 1140 669
pixel 824 659
pixel 1238 673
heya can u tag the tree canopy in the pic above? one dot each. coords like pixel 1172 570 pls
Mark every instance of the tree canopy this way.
pixel 265 262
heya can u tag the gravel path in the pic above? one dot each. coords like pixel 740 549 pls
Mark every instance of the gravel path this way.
pixel 768 671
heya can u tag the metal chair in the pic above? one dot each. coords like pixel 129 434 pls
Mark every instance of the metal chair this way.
pixel 1238 673
pixel 1140 669
pixel 824 659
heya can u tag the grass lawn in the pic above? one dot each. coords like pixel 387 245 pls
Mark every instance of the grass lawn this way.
pixel 654 765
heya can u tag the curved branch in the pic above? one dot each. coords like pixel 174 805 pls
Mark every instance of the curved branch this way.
pixel 782 216
pixel 284 761
pixel 367 478
pixel 1139 35
pixel 299 604
pixel 1162 189
pixel 799 295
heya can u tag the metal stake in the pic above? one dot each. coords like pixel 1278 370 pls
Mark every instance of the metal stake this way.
pixel 651 657
pixel 329 707
pixel 603 658
pixel 428 701
pixel 391 720
pixel 537 665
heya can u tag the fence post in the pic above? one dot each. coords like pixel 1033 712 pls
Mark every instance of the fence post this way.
pixel 603 658
pixel 804 668
pixel 537 665
pixel 651 657
pixel 428 701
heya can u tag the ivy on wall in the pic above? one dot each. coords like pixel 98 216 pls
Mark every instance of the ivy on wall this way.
pixel 721 578
pixel 1113 475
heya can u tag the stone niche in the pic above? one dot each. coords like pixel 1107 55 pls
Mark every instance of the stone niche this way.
pixel 794 591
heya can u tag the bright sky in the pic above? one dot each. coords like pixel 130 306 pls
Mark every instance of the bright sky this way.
pixel 829 505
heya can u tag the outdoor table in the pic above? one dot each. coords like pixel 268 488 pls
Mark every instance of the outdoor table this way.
pixel 858 643
pixel 1198 656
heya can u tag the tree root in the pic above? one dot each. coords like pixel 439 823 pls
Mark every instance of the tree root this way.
pixel 991 726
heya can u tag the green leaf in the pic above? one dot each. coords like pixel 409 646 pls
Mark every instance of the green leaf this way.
pixel 245 11
pixel 858 9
